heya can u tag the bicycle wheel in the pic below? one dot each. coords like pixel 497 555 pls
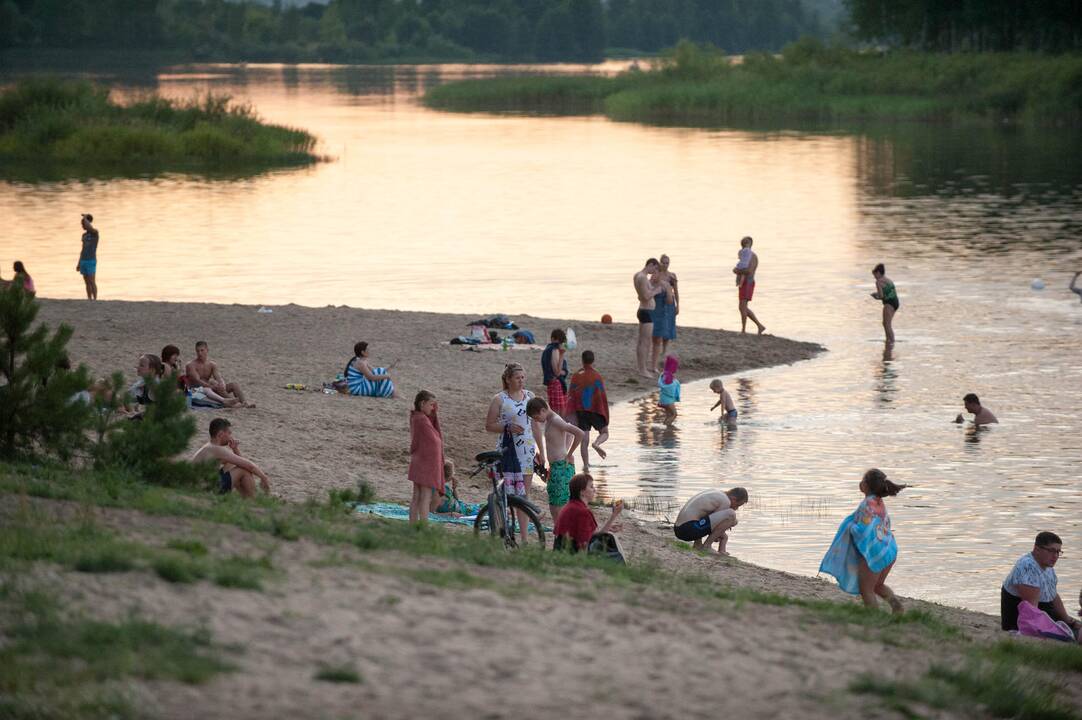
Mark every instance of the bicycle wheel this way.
pixel 517 503
pixel 483 525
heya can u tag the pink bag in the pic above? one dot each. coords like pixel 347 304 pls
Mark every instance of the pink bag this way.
pixel 1035 622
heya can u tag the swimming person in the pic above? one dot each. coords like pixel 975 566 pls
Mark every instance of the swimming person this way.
pixel 746 288
pixel 364 380
pixel 885 291
pixel 561 458
pixel 864 549
pixel 670 389
pixel 88 257
pixel 426 455
pixel 708 517
pixel 981 414
pixel 728 409
pixel 666 308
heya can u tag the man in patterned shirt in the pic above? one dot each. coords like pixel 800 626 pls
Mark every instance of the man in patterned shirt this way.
pixel 1033 580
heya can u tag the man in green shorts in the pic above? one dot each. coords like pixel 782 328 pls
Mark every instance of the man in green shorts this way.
pixel 554 449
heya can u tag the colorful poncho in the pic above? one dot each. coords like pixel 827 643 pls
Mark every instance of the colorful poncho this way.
pixel 866 533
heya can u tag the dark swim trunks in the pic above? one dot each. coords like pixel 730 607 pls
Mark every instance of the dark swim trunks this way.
pixel 645 316
pixel 586 419
pixel 225 482
pixel 693 529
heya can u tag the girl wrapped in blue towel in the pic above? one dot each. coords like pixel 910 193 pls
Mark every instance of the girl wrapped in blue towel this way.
pixel 864 549
pixel 363 379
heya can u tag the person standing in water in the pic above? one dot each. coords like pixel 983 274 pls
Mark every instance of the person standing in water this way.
pixel 666 308
pixel 88 257
pixel 864 549
pixel 646 287
pixel 885 291
pixel 746 288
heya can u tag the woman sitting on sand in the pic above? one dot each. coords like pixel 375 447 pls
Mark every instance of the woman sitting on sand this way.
pixel 365 380
pixel 576 525
pixel 864 550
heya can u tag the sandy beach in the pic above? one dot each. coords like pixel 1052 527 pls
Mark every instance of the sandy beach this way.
pixel 417 629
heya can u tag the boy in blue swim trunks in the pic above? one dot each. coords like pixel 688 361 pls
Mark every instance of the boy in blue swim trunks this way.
pixel 554 449
pixel 725 400
pixel 710 515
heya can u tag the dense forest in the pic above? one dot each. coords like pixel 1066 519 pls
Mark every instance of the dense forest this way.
pixel 360 30
pixel 951 25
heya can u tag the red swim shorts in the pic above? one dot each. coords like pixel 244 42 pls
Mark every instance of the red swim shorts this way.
pixel 747 290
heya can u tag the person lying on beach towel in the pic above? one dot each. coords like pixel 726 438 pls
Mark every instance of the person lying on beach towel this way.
pixel 363 379
pixel 448 502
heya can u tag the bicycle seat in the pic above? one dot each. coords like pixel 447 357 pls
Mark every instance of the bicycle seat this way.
pixel 493 456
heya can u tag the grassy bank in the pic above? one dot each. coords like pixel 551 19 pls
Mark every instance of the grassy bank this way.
pixel 808 82
pixel 76 124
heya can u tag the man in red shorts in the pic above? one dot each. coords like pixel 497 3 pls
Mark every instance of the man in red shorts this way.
pixel 747 288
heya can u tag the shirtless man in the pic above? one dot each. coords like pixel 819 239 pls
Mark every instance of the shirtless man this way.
pixel 747 288
pixel 203 372
pixel 728 407
pixel 560 457
pixel 710 514
pixel 981 414
pixel 234 470
pixel 646 288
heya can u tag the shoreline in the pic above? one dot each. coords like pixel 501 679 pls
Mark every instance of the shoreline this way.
pixel 309 443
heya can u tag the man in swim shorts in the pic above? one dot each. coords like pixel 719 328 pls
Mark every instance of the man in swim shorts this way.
pixel 646 288
pixel 710 515
pixel 235 472
pixel 561 458
pixel 88 257
pixel 747 288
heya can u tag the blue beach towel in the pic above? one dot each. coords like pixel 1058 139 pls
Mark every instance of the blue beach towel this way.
pixel 865 533
pixel 402 512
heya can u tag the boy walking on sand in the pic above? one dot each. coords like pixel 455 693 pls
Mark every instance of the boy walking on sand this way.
pixel 587 400
pixel 555 449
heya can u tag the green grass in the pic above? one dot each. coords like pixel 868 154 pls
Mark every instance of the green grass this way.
pixel 75 124
pixel 338 674
pixel 1048 655
pixel 1001 690
pixel 807 83
pixel 57 664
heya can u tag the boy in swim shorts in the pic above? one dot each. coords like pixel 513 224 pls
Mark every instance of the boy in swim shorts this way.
pixel 560 457
pixel 726 400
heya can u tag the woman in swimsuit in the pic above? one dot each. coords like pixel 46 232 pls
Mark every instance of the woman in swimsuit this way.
pixel 885 291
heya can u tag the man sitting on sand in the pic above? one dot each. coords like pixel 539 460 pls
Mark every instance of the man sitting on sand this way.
pixel 1033 580
pixel 561 458
pixel 981 414
pixel 234 470
pixel 203 372
pixel 710 514
pixel 724 399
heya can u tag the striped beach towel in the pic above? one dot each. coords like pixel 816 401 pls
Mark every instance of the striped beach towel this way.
pixel 360 385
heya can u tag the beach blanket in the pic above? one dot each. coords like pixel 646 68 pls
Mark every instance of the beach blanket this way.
pixel 401 512
pixel 865 533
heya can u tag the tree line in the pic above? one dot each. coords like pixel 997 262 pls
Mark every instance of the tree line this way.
pixel 980 25
pixel 359 30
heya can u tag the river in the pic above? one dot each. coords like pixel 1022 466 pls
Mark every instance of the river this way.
pixel 963 219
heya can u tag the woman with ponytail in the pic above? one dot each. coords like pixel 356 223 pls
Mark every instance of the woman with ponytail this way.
pixel 864 549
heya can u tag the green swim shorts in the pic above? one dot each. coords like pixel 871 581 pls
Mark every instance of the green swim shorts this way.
pixel 560 475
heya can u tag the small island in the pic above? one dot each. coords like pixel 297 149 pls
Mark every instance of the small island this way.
pixel 77 125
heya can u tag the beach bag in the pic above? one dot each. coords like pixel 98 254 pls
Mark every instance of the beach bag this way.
pixel 1034 622
pixel 572 341
pixel 606 545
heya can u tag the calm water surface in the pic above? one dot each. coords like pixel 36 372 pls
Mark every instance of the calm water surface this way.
pixel 964 220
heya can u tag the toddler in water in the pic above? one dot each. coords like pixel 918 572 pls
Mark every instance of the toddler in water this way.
pixel 670 389
pixel 724 399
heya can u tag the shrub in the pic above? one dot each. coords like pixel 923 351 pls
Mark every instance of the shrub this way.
pixel 38 409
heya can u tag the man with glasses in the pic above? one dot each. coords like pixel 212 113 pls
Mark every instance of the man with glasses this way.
pixel 1033 580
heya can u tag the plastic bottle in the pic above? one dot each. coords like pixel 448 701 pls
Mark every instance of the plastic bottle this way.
pixel 188 398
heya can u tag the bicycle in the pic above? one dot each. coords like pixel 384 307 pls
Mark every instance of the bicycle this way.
pixel 497 516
